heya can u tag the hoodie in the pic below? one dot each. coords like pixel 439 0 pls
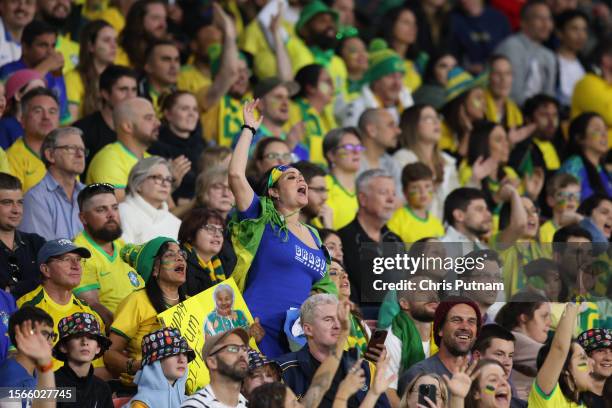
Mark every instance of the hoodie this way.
pixel 155 391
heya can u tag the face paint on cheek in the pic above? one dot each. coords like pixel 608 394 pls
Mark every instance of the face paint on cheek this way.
pixel 583 367
pixel 561 204
pixel 325 89
pixel 489 389
pixel 477 103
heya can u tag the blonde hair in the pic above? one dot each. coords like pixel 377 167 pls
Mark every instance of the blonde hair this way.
pixel 412 384
pixel 204 182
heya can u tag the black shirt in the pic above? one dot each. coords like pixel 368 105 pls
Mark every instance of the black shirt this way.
pixel 359 250
pixel 96 134
pixel 170 146
pixel 90 390
pixel 22 272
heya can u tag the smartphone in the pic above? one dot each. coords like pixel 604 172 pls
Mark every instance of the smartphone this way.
pixel 429 391
pixel 378 338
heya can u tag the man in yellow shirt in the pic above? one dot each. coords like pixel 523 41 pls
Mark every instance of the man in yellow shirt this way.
pixel 137 128
pixel 60 16
pixel 593 93
pixel 60 266
pixel 107 279
pixel 197 75
pixel 40 115
pixel 543 111
pixel 316 40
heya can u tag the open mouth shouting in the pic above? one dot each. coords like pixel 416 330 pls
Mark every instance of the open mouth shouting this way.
pixel 502 398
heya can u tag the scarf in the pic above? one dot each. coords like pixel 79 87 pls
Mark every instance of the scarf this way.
pixel 412 349
pixel 214 266
pixel 357 337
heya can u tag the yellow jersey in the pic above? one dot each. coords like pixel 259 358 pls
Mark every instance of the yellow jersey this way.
pixel 412 79
pixel 135 318
pixel 547 231
pixel 25 164
pixel 4 165
pixel 556 399
pixel 113 278
pixel 191 79
pixel 70 50
pixel 343 203
pixel 223 122
pixel 513 117
pixel 410 227
pixel 40 299
pixel 75 90
pixel 317 125
pixel 112 164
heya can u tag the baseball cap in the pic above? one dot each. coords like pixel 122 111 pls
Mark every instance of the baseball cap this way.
pixel 266 85
pixel 60 246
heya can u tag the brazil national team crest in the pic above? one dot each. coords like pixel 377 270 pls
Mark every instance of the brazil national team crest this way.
pixel 133 279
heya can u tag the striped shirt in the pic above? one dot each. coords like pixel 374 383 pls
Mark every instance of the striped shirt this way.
pixel 205 398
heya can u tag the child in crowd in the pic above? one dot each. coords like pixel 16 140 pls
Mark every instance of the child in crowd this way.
pixel 563 197
pixel 261 371
pixel 414 221
pixel 79 344
pixel 161 381
pixel 31 332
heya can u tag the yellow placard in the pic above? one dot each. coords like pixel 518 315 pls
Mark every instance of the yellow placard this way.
pixel 207 313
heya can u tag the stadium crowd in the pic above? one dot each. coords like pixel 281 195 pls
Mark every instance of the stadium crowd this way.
pixel 151 149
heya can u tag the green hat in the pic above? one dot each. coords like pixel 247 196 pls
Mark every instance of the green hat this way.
pixel 460 81
pixel 312 9
pixel 141 257
pixel 383 61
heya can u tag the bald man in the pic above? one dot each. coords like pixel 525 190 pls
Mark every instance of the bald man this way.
pixel 137 128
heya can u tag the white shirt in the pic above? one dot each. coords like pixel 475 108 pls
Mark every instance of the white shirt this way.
pixel 570 72
pixel 461 245
pixel 205 398
pixel 142 222
pixel 394 350
pixel 9 50
pixel 348 113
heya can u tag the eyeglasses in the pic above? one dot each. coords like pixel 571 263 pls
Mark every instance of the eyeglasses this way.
pixel 49 335
pixel 175 255
pixel 349 147
pixel 565 195
pixel 319 190
pixel 160 180
pixel 73 149
pixel 288 157
pixel 232 348
pixel 213 229
pixel 66 258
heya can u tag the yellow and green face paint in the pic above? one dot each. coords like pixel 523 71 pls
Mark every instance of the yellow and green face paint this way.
pixel 489 389
pixel 583 366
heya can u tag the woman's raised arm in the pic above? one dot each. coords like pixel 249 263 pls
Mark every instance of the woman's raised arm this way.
pixel 237 169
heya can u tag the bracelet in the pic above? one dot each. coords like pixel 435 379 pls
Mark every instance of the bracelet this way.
pixel 251 128
pixel 45 368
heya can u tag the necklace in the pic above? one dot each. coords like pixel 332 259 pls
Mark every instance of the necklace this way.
pixel 284 217
pixel 170 299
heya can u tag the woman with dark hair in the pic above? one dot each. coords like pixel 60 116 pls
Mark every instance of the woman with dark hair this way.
pixel 313 106
pixel 342 148
pixel 587 149
pixel 485 166
pixel 145 22
pixel 528 316
pixel 269 152
pixel 201 237
pixel 419 142
pixel 180 139
pixel 564 368
pixel 433 88
pixel 399 27
pixel 354 53
pixel 279 259
pixel 465 106
pixel 161 263
pixel 597 213
pixel 333 243
pixel 98 50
